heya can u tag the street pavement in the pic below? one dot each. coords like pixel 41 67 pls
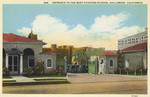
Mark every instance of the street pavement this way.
pixel 86 84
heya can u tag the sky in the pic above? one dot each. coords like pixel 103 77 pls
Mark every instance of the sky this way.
pixel 97 25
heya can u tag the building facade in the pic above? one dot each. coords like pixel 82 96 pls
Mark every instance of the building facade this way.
pixel 134 49
pixel 105 63
pixel 132 40
pixel 69 50
pixel 20 52
pixel 136 56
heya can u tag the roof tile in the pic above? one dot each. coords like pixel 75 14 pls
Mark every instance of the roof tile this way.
pixel 16 38
pixel 48 52
pixel 109 53
pixel 140 46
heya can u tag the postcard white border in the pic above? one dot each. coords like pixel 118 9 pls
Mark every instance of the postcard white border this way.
pixel 73 95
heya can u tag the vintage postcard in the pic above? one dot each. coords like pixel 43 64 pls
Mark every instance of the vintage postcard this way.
pixel 75 47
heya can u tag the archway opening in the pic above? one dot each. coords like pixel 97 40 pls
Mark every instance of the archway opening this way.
pixel 28 57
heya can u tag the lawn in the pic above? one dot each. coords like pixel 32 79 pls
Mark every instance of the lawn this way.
pixel 30 76
pixel 9 81
pixel 50 80
pixel 7 77
pixel 132 74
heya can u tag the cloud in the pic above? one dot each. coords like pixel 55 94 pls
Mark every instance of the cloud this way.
pixel 25 31
pixel 108 23
pixel 104 32
pixel 46 24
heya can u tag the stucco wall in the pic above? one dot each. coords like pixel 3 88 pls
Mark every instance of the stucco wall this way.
pixel 36 47
pixel 136 59
pixel 44 57
pixel 106 61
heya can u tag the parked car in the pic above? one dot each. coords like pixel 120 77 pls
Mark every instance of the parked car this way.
pixel 81 69
pixel 77 68
pixel 85 69
pixel 69 68
pixel 73 69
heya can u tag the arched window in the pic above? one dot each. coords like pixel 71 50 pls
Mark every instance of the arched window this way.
pixel 49 63
pixel 111 63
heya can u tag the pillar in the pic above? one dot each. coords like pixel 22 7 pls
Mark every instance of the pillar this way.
pixel 6 60
pixel 65 67
pixel 21 64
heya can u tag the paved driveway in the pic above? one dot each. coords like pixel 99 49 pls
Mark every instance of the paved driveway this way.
pixel 86 84
pixel 91 78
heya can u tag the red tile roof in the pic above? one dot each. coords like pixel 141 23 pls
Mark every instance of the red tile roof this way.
pixel 48 52
pixel 14 38
pixel 109 53
pixel 140 46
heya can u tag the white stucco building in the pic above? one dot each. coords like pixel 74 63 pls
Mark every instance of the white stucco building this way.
pixel 20 52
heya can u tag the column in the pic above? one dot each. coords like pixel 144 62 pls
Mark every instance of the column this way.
pixel 21 64
pixel 65 67
pixel 6 60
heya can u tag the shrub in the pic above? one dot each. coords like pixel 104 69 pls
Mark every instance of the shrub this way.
pixel 6 72
pixel 28 71
pixel 61 71
pixel 39 67
pixel 139 69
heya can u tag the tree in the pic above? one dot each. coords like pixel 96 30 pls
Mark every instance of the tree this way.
pixel 120 60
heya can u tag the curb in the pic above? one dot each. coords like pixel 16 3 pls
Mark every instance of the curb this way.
pixel 34 83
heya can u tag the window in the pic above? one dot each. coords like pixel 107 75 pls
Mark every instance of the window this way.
pixel 133 40
pixel 136 40
pixel 121 42
pixel 129 40
pixel 142 39
pixel 49 63
pixel 31 61
pixel 111 63
pixel 118 42
pixel 145 38
pixel 101 61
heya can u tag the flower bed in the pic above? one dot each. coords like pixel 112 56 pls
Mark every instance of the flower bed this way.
pixel 6 73
pixel 39 71
pixel 137 71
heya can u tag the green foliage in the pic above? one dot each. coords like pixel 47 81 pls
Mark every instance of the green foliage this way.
pixel 6 72
pixel 91 67
pixel 120 60
pixel 136 71
pixel 39 67
pixel 59 71
pixel 28 71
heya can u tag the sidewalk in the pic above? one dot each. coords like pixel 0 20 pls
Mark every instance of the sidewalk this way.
pixel 22 80
pixel 144 77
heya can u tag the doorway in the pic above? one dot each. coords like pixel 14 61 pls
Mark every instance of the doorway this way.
pixel 13 64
